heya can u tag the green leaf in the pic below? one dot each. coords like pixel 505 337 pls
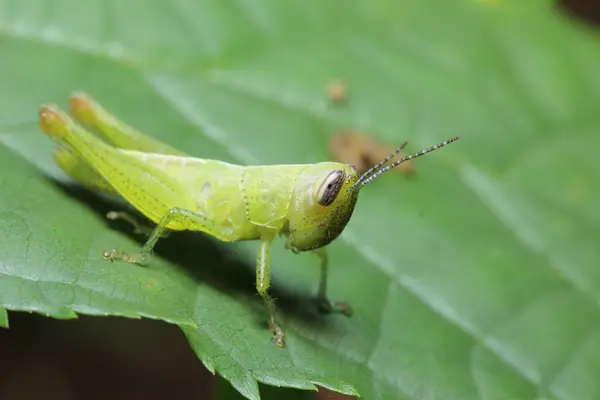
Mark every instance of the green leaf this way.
pixel 224 391
pixel 3 318
pixel 477 280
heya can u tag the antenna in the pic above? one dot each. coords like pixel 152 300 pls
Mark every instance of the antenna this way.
pixel 363 182
pixel 379 164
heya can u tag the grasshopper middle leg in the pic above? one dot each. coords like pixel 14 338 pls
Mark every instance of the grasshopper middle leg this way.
pixel 263 281
pixel 326 305
pixel 138 228
pixel 173 215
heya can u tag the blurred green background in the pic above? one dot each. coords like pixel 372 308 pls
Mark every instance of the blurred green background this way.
pixel 477 280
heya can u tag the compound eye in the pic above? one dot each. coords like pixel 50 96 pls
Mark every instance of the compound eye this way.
pixel 330 188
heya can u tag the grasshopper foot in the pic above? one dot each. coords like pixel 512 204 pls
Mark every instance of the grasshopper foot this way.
pixel 114 254
pixel 327 306
pixel 278 337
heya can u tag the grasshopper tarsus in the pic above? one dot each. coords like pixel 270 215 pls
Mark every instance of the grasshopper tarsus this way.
pixel 328 307
pixel 279 336
pixel 113 215
pixel 115 254
pixel 110 255
pixel 346 309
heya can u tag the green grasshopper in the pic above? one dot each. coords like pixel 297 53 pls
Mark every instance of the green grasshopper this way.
pixel 310 204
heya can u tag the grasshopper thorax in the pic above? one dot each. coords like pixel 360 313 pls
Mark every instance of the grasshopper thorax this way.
pixel 321 205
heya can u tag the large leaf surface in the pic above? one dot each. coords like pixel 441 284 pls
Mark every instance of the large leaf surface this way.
pixel 478 280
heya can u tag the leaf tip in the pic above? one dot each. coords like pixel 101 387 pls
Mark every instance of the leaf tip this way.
pixel 3 318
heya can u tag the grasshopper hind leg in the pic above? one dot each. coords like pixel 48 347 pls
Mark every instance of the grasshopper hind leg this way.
pixel 79 170
pixel 114 131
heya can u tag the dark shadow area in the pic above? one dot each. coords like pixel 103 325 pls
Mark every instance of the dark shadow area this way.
pixel 114 358
pixel 585 10
pixel 98 358
pixel 207 261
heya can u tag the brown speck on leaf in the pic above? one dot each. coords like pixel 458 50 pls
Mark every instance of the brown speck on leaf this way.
pixel 337 91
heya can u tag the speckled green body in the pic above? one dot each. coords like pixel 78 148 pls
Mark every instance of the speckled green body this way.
pixel 250 202
pixel 240 202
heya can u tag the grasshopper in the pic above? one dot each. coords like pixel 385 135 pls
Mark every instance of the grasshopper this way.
pixel 309 203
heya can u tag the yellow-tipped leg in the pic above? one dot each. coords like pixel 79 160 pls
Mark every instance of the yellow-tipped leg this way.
pixel 53 122
pixel 125 173
pixel 117 132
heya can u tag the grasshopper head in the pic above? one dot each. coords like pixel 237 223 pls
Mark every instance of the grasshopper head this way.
pixel 322 204
pixel 325 195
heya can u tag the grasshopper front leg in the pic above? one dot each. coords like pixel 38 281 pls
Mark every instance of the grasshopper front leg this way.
pixel 263 281
pixel 326 305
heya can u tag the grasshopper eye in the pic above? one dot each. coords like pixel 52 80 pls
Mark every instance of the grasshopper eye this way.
pixel 330 188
